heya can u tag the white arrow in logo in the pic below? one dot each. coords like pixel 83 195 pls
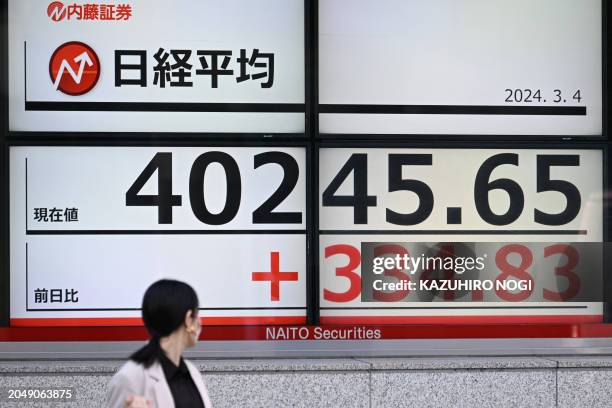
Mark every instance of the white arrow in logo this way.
pixel 83 59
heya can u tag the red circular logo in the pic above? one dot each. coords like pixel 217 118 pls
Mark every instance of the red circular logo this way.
pixel 56 11
pixel 74 68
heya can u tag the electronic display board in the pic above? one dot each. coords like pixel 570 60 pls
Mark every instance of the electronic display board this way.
pixel 434 195
pixel 467 67
pixel 93 227
pixel 157 66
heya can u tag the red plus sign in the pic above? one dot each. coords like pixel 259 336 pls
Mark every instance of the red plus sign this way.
pixel 275 276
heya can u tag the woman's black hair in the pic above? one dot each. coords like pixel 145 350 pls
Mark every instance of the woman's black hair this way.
pixel 164 306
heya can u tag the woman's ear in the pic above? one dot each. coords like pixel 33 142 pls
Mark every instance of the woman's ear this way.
pixel 189 319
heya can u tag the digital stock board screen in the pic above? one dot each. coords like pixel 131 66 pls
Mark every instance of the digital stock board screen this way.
pixel 283 158
pixel 461 67
pixel 91 228
pixel 449 197
pixel 157 66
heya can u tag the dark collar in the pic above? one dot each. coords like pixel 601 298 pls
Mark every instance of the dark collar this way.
pixel 170 370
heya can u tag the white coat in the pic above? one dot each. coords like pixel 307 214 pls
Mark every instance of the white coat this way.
pixel 134 379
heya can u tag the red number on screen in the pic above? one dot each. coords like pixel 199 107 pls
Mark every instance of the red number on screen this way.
pixel 565 271
pixel 347 271
pixel 510 270
pixel 396 295
pixel 426 274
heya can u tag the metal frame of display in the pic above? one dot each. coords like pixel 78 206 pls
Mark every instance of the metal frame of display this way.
pixel 312 141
